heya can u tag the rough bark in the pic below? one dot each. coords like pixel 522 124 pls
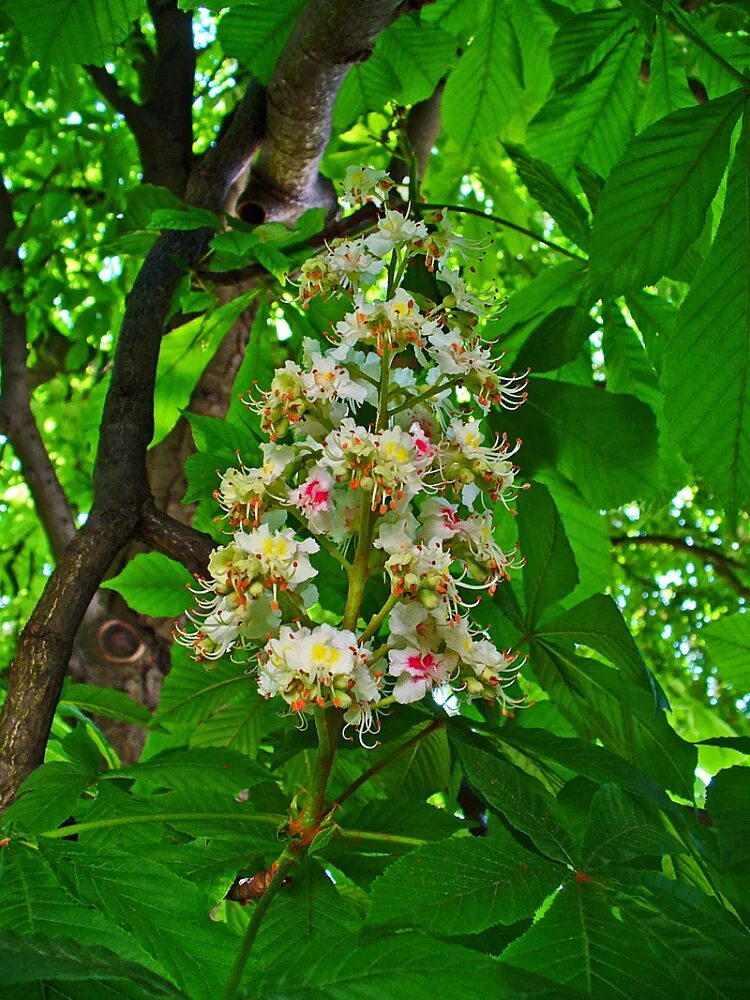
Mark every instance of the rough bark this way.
pixel 328 38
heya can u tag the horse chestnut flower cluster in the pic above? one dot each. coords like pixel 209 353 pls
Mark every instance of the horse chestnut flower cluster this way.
pixel 371 457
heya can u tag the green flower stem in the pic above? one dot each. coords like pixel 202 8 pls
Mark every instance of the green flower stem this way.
pixel 285 862
pixel 377 620
pixel 304 827
pixel 380 838
pixel 378 655
pixel 166 817
pixel 383 763
pixel 329 724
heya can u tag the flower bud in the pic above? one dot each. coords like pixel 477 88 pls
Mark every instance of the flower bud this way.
pixel 428 599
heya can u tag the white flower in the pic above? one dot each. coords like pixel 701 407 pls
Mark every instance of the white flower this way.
pixel 282 558
pixel 351 262
pixel 396 532
pixel 314 499
pixel 363 184
pixel 464 300
pixel 394 230
pixel 439 518
pixel 453 356
pixel 418 672
pixel 323 653
pixel 328 380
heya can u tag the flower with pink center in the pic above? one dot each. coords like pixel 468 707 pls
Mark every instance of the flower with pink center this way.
pixel 418 672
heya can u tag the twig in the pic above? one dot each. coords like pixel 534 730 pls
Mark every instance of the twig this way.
pixel 724 565
pixel 385 762
pixel 431 206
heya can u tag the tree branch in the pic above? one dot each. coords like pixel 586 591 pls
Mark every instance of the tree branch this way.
pixel 328 38
pixel 16 415
pixel 724 565
pixel 178 541
pixel 108 86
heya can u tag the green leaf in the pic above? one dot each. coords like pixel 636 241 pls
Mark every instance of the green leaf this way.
pixel 553 196
pixel 584 758
pixel 366 87
pixel 584 40
pixel 419 54
pixel 602 704
pixel 728 803
pixel 629 369
pixel 401 965
pixel 713 339
pixel 73 31
pixel 655 202
pixel 604 442
pixel 213 768
pixel 400 816
pixel 483 89
pixel 728 641
pixel 195 951
pixel 420 772
pixel 620 829
pixel 192 693
pixel 184 218
pixel 592 119
pixel 587 535
pixel 255 33
pixel 310 910
pixel 668 88
pixel 240 725
pixel 110 703
pixel 34 902
pixel 184 354
pixel 707 950
pixel 48 796
pixel 598 624
pixel 580 942
pixel 520 798
pixel 550 570
pixel 153 584
pixel 462 886
pixel 50 963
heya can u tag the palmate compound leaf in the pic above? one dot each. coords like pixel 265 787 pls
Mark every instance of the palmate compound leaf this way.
pixel 33 901
pixel 712 343
pixel 655 201
pixel 581 942
pixel 43 967
pixel 400 965
pixel 73 31
pixel 172 923
pixel 462 886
